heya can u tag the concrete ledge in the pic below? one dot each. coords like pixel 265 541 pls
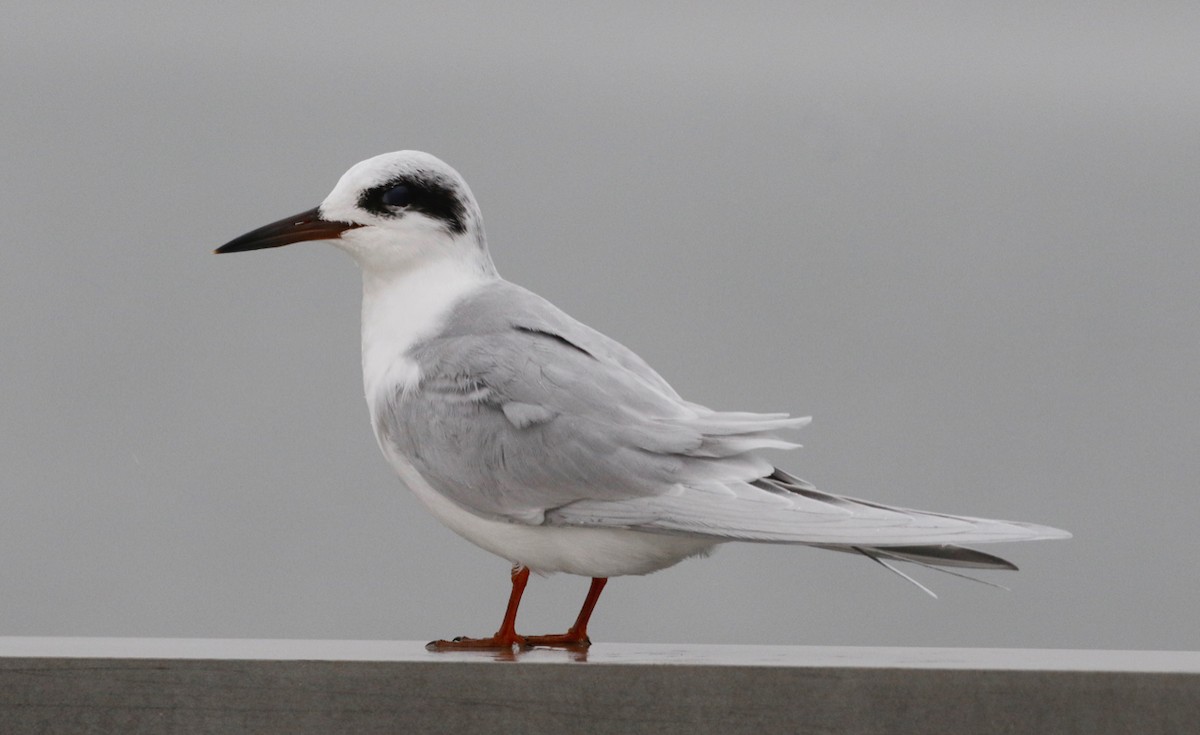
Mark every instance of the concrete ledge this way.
pixel 65 685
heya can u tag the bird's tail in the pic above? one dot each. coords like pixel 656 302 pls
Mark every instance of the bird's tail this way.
pixel 939 557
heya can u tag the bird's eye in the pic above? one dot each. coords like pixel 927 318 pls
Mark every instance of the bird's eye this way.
pixel 398 196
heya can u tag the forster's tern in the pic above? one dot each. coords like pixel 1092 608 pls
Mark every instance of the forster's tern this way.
pixel 545 442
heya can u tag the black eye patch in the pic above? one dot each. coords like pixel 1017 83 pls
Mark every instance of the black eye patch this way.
pixel 411 194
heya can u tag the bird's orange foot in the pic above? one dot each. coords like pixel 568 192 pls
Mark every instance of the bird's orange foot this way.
pixel 497 642
pixel 570 639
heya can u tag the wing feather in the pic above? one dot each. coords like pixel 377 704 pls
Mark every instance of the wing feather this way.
pixel 524 414
pixel 521 410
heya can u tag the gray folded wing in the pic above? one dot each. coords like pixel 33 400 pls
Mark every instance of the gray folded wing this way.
pixel 521 410
pixel 782 509
pixel 524 414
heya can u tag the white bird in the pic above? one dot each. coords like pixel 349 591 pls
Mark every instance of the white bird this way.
pixel 549 444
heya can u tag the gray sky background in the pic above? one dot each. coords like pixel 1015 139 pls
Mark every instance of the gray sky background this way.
pixel 963 236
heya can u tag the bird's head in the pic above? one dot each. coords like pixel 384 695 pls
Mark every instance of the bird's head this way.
pixel 391 212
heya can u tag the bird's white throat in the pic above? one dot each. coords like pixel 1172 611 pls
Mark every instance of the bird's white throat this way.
pixel 403 307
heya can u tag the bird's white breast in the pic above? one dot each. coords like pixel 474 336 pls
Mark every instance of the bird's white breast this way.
pixel 402 309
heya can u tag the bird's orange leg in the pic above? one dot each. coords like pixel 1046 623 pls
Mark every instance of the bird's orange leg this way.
pixel 577 636
pixel 506 637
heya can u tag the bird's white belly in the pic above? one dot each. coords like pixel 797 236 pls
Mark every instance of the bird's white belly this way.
pixel 589 552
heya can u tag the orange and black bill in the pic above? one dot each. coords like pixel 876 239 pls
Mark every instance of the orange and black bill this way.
pixel 307 225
